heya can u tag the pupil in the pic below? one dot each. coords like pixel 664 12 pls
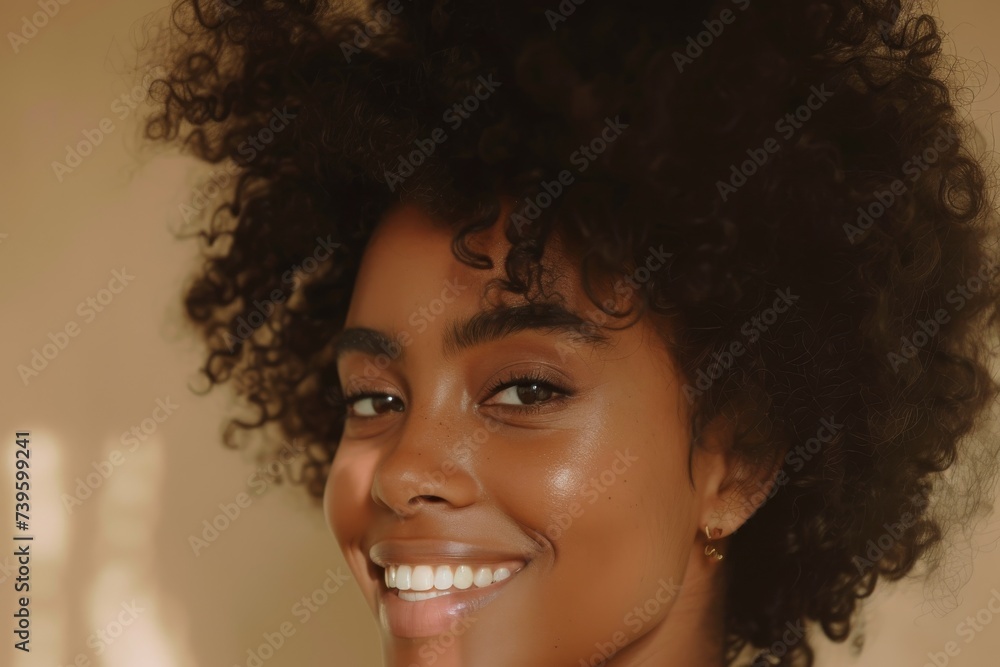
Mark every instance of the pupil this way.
pixel 530 393
pixel 383 403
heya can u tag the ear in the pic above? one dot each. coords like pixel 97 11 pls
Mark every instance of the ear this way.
pixel 730 484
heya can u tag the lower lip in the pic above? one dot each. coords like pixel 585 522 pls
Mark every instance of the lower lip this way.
pixel 438 615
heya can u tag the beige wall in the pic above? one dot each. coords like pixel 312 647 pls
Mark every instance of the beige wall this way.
pixel 60 242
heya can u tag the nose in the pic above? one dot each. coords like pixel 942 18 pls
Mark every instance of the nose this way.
pixel 427 466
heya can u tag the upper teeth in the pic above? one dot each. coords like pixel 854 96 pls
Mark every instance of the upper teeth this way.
pixel 442 577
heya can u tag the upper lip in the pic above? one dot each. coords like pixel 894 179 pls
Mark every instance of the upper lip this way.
pixel 416 551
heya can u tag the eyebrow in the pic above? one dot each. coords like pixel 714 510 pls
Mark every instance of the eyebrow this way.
pixel 484 327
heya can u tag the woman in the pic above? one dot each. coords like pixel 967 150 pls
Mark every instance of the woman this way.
pixel 621 331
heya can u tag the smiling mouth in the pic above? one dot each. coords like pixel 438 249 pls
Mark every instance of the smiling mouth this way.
pixel 415 583
pixel 424 600
pixel 430 587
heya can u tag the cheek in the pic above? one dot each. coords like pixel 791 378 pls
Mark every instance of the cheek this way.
pixel 631 516
pixel 614 501
pixel 541 480
pixel 347 500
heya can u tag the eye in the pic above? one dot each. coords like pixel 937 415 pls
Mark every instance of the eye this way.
pixel 526 392
pixel 372 404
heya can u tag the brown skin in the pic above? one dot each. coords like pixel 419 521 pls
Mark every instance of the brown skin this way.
pixel 623 543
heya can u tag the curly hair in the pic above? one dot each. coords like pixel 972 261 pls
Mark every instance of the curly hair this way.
pixel 805 149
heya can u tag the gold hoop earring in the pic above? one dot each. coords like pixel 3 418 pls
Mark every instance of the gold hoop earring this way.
pixel 709 549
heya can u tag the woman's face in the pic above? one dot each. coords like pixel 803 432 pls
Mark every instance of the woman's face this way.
pixel 525 476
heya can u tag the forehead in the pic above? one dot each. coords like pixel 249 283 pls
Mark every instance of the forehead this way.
pixel 411 289
pixel 409 265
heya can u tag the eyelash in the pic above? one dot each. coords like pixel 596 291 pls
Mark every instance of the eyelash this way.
pixel 514 379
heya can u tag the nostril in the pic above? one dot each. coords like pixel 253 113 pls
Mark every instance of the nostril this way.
pixel 416 500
